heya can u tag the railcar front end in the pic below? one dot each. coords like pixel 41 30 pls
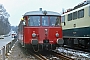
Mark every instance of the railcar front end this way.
pixel 42 32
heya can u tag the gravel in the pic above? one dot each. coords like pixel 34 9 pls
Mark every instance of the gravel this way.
pixel 17 54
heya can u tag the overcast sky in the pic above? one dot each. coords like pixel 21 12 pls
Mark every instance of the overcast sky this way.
pixel 16 8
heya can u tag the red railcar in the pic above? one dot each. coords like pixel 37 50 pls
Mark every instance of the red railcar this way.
pixel 40 30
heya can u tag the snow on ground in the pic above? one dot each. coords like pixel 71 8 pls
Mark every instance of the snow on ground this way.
pixel 74 52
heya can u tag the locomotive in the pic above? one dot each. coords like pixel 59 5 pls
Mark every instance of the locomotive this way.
pixel 76 26
pixel 40 30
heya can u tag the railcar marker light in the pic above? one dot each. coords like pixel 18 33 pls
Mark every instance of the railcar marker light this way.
pixel 57 34
pixel 33 34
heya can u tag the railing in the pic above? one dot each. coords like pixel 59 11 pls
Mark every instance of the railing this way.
pixel 5 50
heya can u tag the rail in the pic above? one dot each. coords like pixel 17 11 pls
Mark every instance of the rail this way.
pixel 62 56
pixel 38 56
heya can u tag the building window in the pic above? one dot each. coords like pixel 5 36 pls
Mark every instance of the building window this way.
pixel 69 16
pixel 81 13
pixel 74 15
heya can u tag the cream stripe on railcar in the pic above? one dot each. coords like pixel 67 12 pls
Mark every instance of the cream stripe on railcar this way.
pixel 81 22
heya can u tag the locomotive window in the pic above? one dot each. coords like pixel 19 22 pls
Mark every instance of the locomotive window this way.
pixel 34 21
pixel 74 15
pixel 54 21
pixel 69 16
pixel 45 21
pixel 81 13
pixel 63 19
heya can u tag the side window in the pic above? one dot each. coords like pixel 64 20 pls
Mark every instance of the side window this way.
pixel 74 15
pixel 81 13
pixel 70 17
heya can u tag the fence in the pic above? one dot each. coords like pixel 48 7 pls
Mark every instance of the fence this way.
pixel 5 50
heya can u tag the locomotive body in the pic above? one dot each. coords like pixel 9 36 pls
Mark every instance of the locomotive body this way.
pixel 41 30
pixel 76 26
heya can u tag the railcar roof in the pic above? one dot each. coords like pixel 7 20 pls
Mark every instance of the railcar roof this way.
pixel 41 13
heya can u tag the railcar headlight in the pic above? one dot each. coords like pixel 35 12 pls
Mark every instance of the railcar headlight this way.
pixel 33 35
pixel 57 34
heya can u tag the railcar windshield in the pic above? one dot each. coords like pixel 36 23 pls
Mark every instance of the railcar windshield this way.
pixel 34 21
pixel 54 21
pixel 44 21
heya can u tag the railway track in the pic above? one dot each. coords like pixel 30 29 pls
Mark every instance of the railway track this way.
pixel 82 48
pixel 31 55
pixel 51 55
pixel 75 54
pixel 67 54
pixel 47 55
pixel 38 56
pixel 62 56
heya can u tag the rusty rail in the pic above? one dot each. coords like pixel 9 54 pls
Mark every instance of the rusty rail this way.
pixel 62 56
pixel 38 56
